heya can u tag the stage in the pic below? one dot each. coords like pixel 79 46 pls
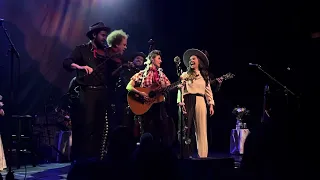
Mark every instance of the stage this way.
pixel 59 171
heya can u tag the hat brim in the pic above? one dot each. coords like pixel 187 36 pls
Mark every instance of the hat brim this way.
pixel 138 54
pixel 90 33
pixel 195 52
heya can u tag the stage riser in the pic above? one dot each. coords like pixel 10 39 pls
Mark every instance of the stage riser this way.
pixel 187 169
pixel 207 168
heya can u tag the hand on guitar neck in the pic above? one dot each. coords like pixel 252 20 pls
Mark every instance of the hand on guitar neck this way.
pixel 1 104
pixel 219 80
pixel 222 78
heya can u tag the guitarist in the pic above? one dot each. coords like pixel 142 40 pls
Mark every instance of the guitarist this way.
pixel 156 120
pixel 94 63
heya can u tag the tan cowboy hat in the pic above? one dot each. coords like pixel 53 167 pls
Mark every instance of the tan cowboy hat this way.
pixel 195 52
pixel 99 26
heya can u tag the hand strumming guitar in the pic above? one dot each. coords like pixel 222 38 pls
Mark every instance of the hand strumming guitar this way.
pixel 145 95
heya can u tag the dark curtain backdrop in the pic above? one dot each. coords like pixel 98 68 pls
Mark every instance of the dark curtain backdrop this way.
pixel 44 32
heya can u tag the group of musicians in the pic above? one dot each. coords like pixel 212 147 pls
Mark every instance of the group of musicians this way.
pixel 103 80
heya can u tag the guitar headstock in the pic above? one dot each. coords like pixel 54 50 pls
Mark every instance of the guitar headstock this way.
pixel 228 76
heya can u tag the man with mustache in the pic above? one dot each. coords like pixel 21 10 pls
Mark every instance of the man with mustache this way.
pixel 94 63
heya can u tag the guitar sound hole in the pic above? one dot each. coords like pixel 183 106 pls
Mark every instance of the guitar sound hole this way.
pixel 152 94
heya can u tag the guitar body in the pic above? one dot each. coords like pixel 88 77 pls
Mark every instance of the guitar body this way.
pixel 137 103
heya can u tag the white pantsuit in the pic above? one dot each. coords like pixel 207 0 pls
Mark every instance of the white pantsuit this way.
pixel 198 86
pixel 3 164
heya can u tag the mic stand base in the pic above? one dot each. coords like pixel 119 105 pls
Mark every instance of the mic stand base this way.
pixel 10 175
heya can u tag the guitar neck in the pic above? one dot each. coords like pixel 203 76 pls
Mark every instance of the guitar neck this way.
pixel 224 77
pixel 213 81
pixel 171 86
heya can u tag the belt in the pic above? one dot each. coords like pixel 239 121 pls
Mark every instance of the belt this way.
pixel 196 94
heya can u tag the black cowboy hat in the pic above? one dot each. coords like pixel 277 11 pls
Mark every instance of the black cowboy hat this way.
pixel 139 54
pixel 99 26
pixel 195 52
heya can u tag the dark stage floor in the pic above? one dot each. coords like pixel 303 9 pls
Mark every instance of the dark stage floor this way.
pixel 59 171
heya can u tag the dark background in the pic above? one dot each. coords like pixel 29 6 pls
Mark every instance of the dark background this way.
pixel 274 34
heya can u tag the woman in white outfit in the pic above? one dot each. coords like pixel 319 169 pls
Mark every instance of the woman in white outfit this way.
pixel 194 93
pixel 2 158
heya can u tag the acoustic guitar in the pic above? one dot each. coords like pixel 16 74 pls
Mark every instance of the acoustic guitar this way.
pixel 139 105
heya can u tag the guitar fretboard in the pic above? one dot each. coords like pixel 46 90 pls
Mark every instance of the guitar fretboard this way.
pixel 175 84
pixel 171 86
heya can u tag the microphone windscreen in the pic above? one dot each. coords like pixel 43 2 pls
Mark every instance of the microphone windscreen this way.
pixel 177 59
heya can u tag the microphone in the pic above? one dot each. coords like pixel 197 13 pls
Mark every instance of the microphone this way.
pixel 250 64
pixel 1 20
pixel 177 60
pixel 151 41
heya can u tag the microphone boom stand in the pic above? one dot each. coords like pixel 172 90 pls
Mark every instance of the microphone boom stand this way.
pixel 286 90
pixel 13 53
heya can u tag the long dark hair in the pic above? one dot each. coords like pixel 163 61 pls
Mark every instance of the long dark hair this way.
pixel 203 71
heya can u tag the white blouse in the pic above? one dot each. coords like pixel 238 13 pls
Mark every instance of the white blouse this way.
pixel 195 86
